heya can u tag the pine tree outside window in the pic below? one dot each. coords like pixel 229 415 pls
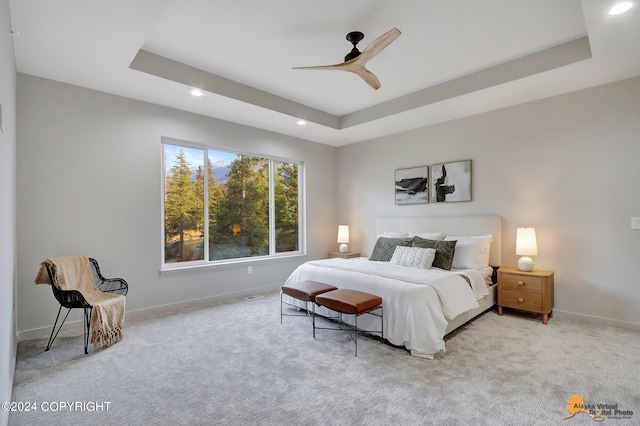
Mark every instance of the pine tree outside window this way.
pixel 221 206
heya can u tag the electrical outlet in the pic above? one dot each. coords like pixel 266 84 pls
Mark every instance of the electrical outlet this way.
pixel 635 223
pixel 250 270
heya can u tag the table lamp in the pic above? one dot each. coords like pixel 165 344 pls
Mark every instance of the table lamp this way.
pixel 526 246
pixel 343 238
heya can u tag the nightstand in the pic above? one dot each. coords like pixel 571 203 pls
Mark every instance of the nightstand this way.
pixel 346 255
pixel 526 291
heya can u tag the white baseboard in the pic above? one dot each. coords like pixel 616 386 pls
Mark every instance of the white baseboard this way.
pixel 597 320
pixel 157 310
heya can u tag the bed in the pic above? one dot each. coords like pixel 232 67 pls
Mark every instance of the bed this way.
pixel 421 304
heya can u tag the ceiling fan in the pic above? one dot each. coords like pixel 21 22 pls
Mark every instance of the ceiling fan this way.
pixel 355 61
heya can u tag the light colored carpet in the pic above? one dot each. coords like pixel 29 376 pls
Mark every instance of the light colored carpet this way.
pixel 235 364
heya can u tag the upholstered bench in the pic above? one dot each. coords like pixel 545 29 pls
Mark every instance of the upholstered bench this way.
pixel 305 291
pixel 351 302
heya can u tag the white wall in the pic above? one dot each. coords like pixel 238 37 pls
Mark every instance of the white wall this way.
pixel 8 341
pixel 567 166
pixel 88 182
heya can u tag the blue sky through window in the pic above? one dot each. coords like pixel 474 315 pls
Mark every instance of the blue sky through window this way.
pixel 194 156
pixel 220 160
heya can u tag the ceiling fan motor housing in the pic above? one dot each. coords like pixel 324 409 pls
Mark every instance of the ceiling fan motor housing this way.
pixel 354 37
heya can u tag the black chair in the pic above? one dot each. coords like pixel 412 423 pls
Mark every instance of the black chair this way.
pixel 72 299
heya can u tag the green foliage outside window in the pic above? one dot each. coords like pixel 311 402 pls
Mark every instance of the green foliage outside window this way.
pixel 237 220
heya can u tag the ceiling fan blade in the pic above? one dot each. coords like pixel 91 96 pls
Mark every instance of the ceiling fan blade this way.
pixel 369 78
pixel 341 66
pixel 350 66
pixel 357 66
pixel 379 44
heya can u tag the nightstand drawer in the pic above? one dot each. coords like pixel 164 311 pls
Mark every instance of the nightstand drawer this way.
pixel 521 300
pixel 522 283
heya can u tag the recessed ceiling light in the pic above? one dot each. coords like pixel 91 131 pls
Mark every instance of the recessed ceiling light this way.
pixel 620 8
pixel 196 92
pixel 301 122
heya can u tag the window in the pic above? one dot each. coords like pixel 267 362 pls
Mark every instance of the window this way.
pixel 220 205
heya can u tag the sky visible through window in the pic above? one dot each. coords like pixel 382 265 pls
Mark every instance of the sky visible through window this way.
pixel 194 157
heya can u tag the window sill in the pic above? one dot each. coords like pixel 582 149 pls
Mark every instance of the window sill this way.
pixel 230 263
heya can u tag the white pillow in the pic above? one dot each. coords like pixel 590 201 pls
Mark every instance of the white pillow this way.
pixel 438 236
pixel 413 257
pixel 471 252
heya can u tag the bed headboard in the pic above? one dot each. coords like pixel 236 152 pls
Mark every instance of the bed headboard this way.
pixel 451 225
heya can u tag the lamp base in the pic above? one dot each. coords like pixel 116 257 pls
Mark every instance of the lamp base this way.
pixel 344 248
pixel 525 264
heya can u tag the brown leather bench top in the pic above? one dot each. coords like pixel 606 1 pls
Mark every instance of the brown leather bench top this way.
pixel 349 301
pixel 306 290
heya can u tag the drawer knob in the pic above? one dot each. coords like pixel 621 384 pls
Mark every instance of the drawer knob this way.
pixel 520 282
pixel 520 300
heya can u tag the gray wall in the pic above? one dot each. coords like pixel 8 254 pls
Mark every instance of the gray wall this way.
pixel 88 182
pixel 566 165
pixel 8 342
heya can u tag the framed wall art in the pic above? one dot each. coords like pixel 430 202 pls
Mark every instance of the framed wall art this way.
pixel 412 185
pixel 451 182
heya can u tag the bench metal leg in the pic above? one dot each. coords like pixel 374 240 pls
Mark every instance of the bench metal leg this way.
pixel 313 318
pixel 349 328
pixel 305 309
pixel 356 335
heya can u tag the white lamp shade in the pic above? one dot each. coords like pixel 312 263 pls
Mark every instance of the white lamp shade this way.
pixel 526 244
pixel 343 238
pixel 343 234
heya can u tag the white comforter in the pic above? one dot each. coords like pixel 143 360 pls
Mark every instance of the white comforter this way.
pixel 417 303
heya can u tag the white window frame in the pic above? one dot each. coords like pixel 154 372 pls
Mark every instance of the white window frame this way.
pixel 302 249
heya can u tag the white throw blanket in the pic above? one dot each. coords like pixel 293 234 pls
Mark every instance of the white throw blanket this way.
pixel 417 303
pixel 457 296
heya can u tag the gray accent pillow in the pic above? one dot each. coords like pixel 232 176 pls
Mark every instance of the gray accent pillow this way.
pixel 444 251
pixel 384 248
